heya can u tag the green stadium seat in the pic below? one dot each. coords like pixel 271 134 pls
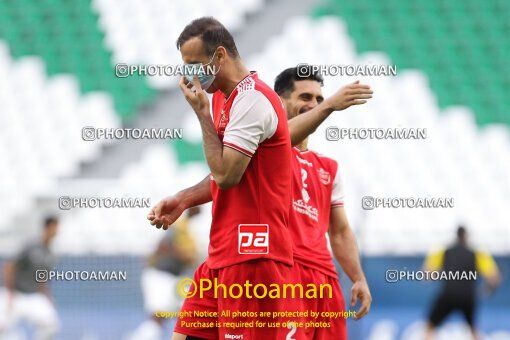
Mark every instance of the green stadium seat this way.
pixel 188 151
pixel 462 45
pixel 66 36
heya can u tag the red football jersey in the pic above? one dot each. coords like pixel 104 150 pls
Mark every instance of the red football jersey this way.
pixel 317 188
pixel 250 220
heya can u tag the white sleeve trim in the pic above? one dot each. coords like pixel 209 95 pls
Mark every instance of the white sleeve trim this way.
pixel 252 120
pixel 337 194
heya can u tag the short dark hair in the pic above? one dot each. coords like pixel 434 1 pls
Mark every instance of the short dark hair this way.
pixel 49 220
pixel 284 83
pixel 213 34
pixel 461 232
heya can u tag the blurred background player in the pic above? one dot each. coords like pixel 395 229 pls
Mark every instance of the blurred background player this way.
pixel 24 298
pixel 174 258
pixel 460 295
pixel 318 208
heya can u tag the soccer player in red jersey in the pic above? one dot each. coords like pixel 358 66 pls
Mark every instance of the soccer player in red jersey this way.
pixel 318 201
pixel 247 147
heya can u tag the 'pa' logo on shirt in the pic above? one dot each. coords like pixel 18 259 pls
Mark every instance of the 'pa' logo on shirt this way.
pixel 253 239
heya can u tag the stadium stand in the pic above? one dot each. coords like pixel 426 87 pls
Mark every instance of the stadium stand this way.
pixel 149 36
pixel 455 152
pixel 33 109
pixel 450 41
pixel 67 38
pixel 126 231
pixel 473 155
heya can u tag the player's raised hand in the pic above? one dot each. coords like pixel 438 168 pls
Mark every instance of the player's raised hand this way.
pixel 197 98
pixel 165 212
pixel 360 291
pixel 352 94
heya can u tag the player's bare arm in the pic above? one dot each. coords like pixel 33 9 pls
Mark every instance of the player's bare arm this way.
pixel 227 165
pixel 305 124
pixel 9 270
pixel 345 250
pixel 169 209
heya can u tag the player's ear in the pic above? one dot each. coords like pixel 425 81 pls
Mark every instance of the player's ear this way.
pixel 221 54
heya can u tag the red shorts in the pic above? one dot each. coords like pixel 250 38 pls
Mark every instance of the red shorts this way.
pixel 251 324
pixel 323 327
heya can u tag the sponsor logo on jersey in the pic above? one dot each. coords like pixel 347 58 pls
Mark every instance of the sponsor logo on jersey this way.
pixel 234 336
pixel 223 122
pixel 253 239
pixel 304 208
pixel 305 195
pixel 304 161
